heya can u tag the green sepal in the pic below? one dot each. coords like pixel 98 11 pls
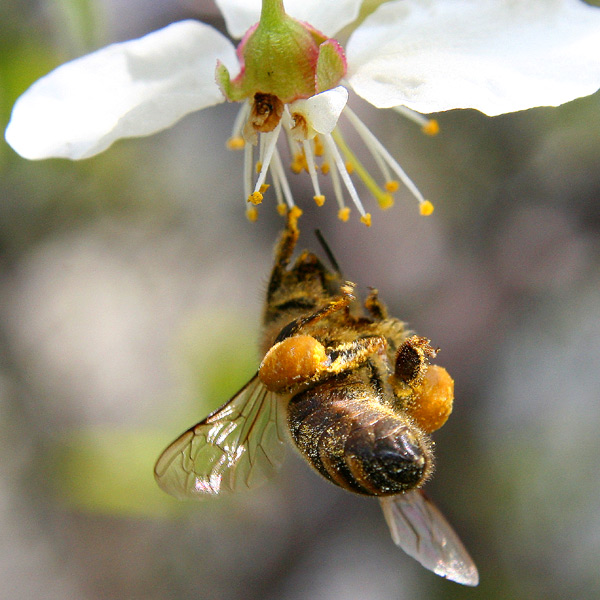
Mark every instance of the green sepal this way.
pixel 331 65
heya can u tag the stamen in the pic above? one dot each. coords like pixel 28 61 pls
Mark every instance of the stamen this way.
pixel 299 163
pixel 428 126
pixel 310 165
pixel 339 163
pixel 344 211
pixel 248 151
pixel 252 214
pixel 426 208
pixel 281 207
pixel 344 214
pixel 319 149
pixel 269 148
pixel 236 141
pixel 365 133
pixel 278 173
pixel 384 200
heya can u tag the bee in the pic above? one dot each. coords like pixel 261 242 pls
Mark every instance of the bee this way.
pixel 355 392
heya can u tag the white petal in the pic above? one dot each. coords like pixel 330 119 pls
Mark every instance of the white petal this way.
pixel 327 16
pixel 323 110
pixel 494 55
pixel 129 89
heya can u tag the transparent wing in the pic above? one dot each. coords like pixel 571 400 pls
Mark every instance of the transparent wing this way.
pixel 421 530
pixel 238 446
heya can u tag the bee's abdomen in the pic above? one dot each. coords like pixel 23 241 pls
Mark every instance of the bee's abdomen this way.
pixel 357 443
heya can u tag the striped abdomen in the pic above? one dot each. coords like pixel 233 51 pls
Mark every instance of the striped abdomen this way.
pixel 355 441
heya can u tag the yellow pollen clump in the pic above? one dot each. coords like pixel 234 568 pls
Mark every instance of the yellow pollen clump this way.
pixel 325 168
pixel 319 200
pixel 264 187
pixel 258 166
pixel 252 214
pixel 292 361
pixel 432 127
pixel 349 167
pixel 426 208
pixel 392 186
pixel 366 219
pixel 255 198
pixel 344 214
pixel 236 143
pixel 282 209
pixel 433 399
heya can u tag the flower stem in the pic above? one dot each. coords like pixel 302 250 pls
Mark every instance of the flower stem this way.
pixel 272 12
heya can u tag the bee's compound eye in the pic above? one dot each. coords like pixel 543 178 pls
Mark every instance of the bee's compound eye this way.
pixel 433 398
pixel 292 361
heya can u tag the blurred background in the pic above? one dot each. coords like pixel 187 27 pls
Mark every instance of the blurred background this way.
pixel 131 290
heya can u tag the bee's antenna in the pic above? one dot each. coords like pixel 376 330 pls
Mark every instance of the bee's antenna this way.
pixel 328 251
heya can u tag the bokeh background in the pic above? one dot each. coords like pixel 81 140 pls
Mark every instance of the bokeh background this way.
pixel 131 291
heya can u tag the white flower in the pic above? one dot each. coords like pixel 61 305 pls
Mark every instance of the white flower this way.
pixel 496 56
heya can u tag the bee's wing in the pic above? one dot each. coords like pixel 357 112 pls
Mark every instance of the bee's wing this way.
pixel 238 446
pixel 421 530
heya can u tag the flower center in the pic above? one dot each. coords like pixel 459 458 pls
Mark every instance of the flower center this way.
pixel 289 80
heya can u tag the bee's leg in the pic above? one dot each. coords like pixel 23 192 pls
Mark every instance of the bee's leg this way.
pixel 412 360
pixel 284 250
pixel 338 303
pixel 351 355
pixel 375 307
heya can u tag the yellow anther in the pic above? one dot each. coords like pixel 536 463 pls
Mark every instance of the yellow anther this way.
pixel 236 143
pixel 255 198
pixel 319 200
pixel 344 214
pixel 282 209
pixel 258 166
pixel 319 148
pixel 392 186
pixel 349 167
pixel 325 168
pixel 299 163
pixel 426 208
pixel 385 201
pixel 264 187
pixel 366 219
pixel 432 127
pixel 252 214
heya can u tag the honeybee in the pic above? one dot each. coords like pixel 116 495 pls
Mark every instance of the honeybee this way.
pixel 356 394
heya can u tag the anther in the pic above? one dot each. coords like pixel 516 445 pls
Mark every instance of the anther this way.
pixel 432 127
pixel 386 201
pixel 426 208
pixel 255 198
pixel 236 143
pixel 344 214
